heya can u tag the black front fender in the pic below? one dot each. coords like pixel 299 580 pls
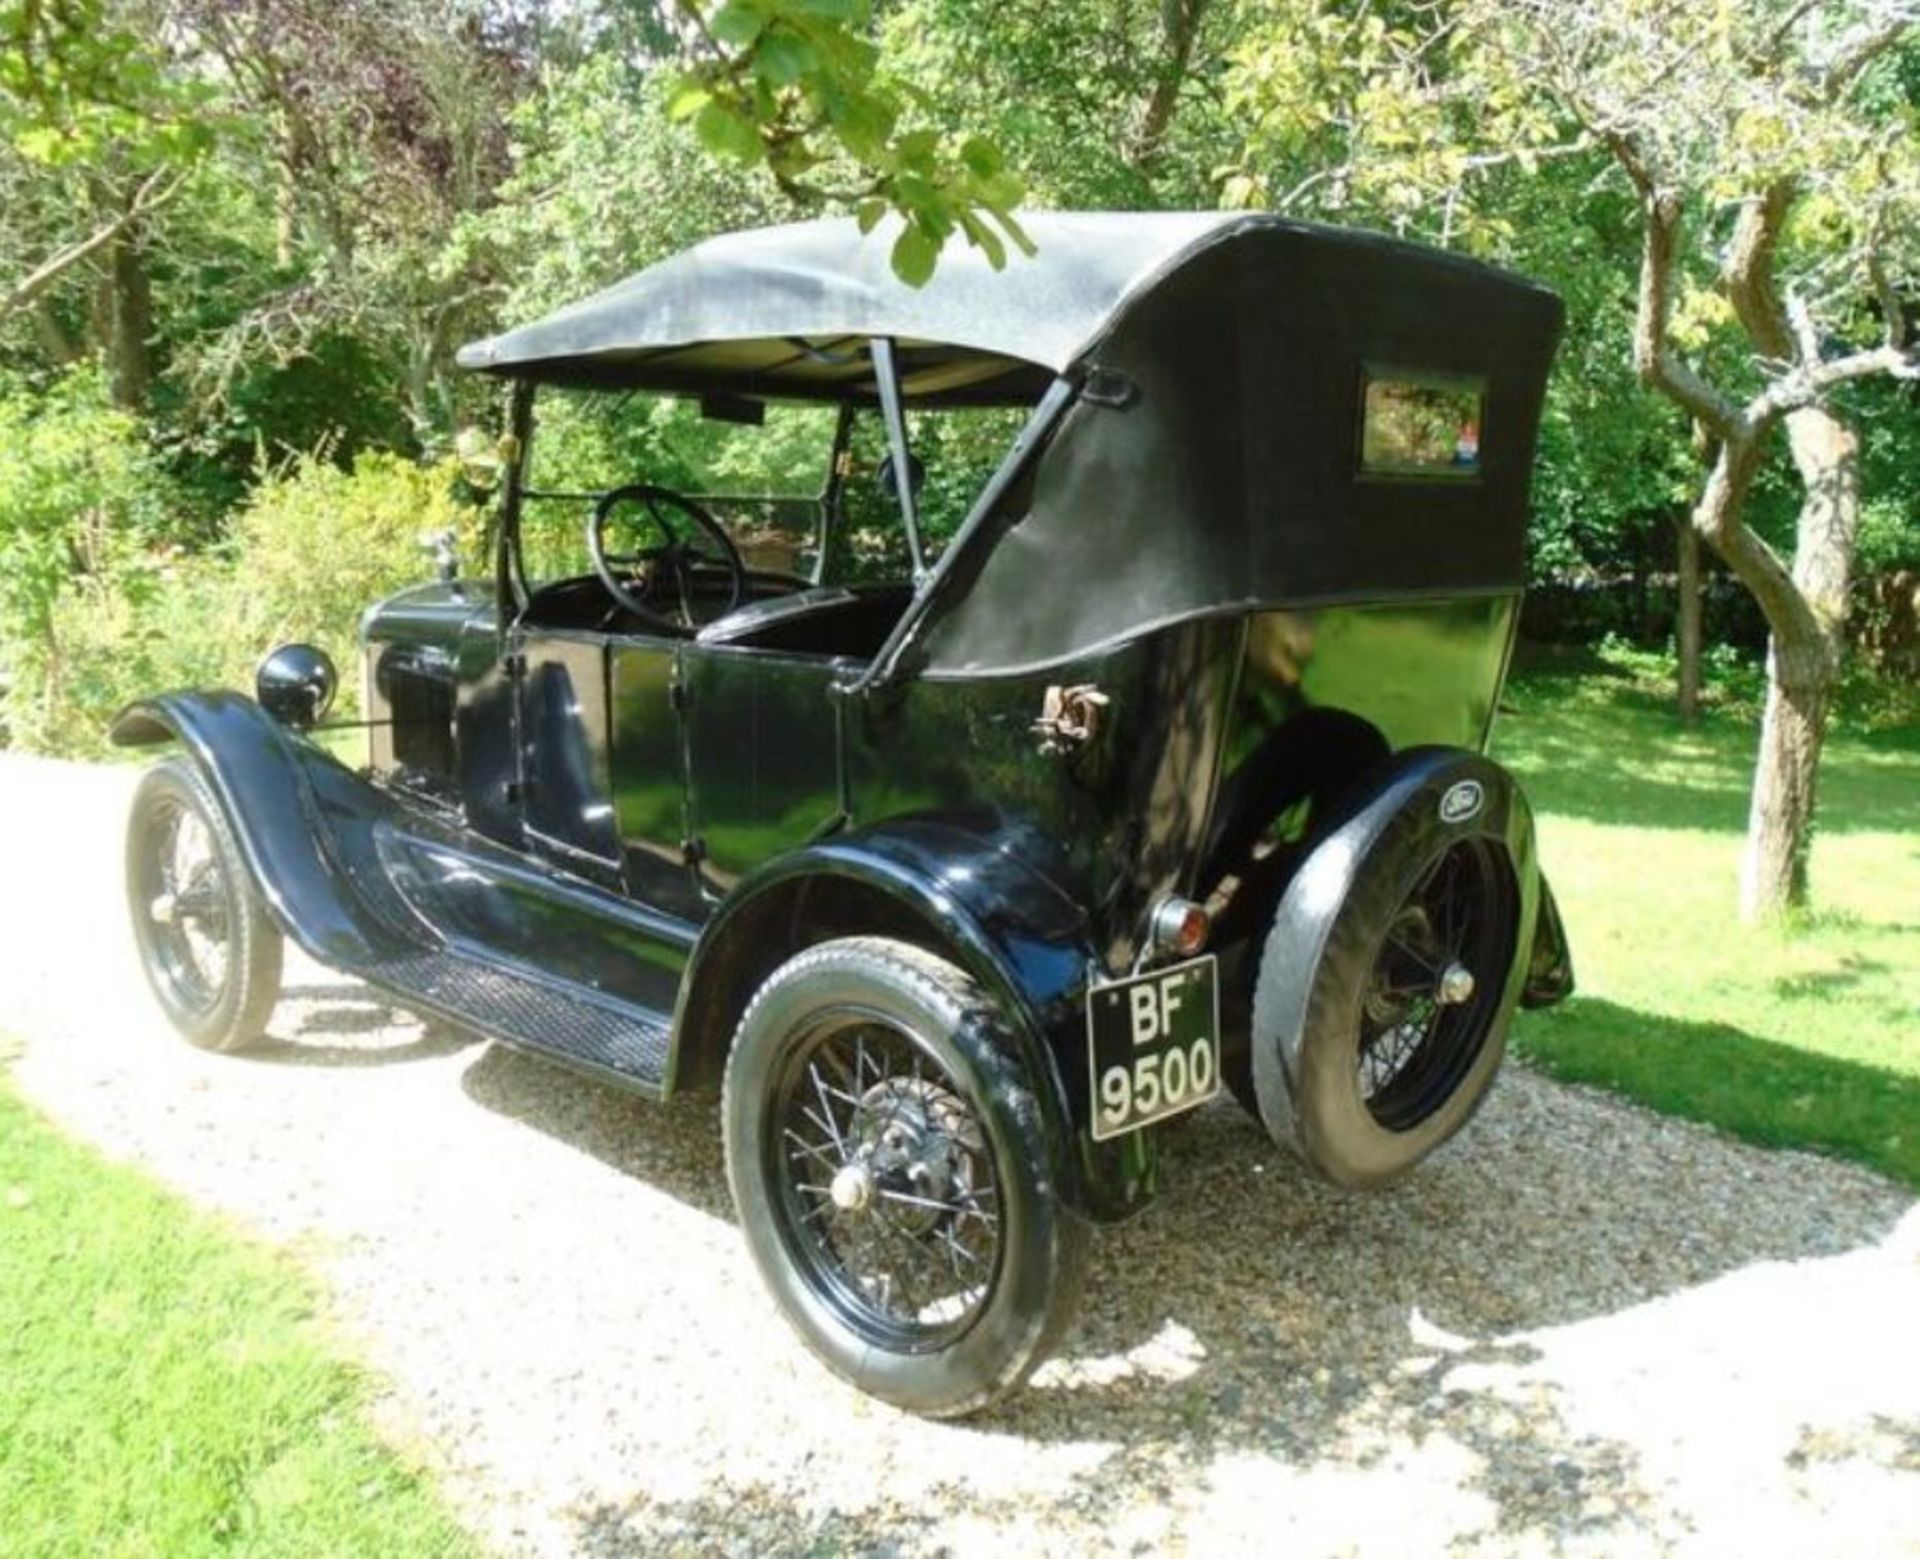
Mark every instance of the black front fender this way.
pixel 989 893
pixel 298 814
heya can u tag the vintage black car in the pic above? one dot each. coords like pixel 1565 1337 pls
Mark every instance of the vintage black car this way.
pixel 1165 776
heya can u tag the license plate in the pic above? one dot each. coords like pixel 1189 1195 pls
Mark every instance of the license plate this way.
pixel 1153 1046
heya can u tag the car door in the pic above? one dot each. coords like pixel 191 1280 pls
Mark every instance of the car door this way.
pixel 565 763
pixel 763 755
pixel 649 751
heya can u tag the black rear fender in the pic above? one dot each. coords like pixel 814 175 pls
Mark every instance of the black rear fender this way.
pixel 989 894
pixel 1440 777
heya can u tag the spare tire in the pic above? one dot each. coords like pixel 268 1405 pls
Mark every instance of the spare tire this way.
pixel 1393 966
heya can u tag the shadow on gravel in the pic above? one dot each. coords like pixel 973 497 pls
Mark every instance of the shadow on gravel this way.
pixel 674 1147
pixel 1259 1339
pixel 317 1025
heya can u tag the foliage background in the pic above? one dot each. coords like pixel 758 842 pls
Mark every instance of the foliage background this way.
pixel 232 422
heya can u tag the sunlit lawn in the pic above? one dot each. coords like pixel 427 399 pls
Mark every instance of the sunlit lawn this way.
pixel 164 1389
pixel 1808 1035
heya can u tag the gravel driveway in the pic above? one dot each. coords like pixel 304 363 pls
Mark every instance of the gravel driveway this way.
pixel 1582 1328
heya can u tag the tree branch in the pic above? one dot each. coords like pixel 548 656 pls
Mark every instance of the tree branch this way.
pixel 1181 21
pixel 1747 271
pixel 1654 359
pixel 1856 52
pixel 1807 384
pixel 150 195
pixel 1893 313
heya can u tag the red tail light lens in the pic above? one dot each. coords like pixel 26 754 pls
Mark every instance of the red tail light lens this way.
pixel 1181 926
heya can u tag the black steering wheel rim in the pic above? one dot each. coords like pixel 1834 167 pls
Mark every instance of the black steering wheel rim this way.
pixel 653 499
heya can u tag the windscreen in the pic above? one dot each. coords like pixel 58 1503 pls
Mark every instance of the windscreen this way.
pixel 764 483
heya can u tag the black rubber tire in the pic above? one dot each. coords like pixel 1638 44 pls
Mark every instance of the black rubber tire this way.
pixel 1319 957
pixel 1034 1293
pixel 238 1013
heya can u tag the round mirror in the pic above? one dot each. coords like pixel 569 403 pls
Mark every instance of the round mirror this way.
pixel 296 683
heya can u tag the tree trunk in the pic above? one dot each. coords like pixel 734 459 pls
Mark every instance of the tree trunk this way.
pixel 1686 622
pixel 1773 876
pixel 1180 21
pixel 51 335
pixel 1803 664
pixel 128 320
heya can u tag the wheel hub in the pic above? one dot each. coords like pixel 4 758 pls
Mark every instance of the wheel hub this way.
pixel 905 1154
pixel 1455 986
pixel 852 1188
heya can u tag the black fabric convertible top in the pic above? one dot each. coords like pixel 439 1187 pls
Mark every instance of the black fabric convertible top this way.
pixel 1211 461
pixel 1221 469
pixel 782 311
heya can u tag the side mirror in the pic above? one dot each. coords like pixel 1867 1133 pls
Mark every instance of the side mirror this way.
pixel 888 480
pixel 295 684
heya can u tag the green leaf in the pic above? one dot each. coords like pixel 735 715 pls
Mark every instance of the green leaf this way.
pixel 1015 231
pixel 983 238
pixel 863 123
pixel 783 57
pixel 726 132
pixel 915 150
pixel 914 255
pixel 980 157
pixel 690 94
pixel 1003 190
pixel 869 213
pixel 738 22
pixel 830 10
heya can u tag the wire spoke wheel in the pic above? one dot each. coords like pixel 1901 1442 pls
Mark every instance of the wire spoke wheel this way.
pixel 187 902
pixel 207 947
pixel 1435 985
pixel 886 1187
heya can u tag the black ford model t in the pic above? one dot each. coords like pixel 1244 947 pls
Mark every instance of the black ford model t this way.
pixel 1164 776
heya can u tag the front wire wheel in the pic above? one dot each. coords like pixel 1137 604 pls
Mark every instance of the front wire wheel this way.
pixel 210 954
pixel 892 1175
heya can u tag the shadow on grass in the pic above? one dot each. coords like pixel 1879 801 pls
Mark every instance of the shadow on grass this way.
pixel 1753 1088
pixel 1610 751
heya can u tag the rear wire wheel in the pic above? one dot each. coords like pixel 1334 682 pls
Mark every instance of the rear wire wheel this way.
pixel 892 1172
pixel 209 952
pixel 1390 974
pixel 1435 984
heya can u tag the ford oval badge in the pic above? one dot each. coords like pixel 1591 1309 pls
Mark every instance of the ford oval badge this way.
pixel 1462 801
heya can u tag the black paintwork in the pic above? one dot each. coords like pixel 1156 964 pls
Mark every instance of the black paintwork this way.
pixel 597 841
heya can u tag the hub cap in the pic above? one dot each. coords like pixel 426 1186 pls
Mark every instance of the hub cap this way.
pixel 889 1193
pixel 188 908
pixel 1434 987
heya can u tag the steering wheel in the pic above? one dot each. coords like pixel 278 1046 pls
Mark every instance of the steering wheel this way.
pixel 635 578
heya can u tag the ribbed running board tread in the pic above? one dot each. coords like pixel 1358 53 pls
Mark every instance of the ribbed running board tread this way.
pixel 531 1013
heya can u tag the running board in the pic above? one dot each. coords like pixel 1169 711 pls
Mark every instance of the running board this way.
pixel 612 1040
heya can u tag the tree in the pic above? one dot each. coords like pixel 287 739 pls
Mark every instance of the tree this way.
pixel 798 87
pixel 86 99
pixel 1095 103
pixel 385 126
pixel 1775 174
pixel 1767 119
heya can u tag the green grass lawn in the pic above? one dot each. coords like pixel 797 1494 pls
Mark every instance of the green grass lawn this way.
pixel 1807 1035
pixel 164 1387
